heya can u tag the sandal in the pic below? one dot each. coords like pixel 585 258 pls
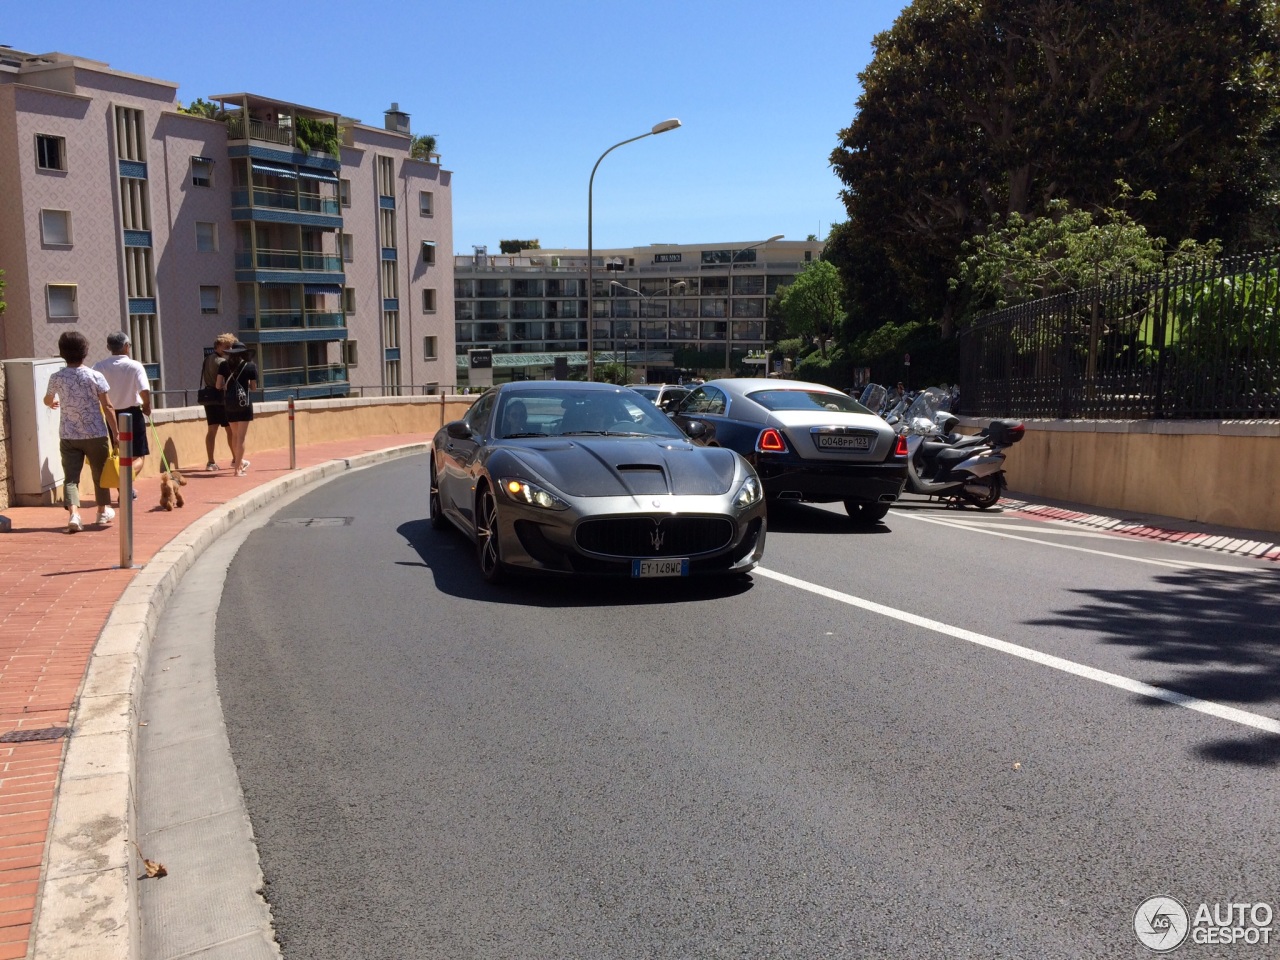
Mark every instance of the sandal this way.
pixel 244 467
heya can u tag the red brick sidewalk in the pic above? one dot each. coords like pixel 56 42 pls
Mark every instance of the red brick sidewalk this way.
pixel 56 591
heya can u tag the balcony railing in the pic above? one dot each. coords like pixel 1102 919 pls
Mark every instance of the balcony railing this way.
pixel 285 200
pixel 257 130
pixel 304 376
pixel 289 260
pixel 292 319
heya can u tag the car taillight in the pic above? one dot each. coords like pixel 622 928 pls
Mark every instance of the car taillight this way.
pixel 770 441
pixel 900 446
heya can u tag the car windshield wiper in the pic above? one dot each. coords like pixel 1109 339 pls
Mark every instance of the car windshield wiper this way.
pixel 583 433
pixel 626 433
pixel 520 436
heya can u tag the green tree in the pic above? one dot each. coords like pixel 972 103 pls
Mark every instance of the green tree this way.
pixel 202 108
pixel 1021 259
pixel 978 109
pixel 2 286
pixel 515 246
pixel 813 305
pixel 422 146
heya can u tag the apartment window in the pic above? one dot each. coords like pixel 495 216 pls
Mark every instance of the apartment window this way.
pixel 206 237
pixel 426 203
pixel 350 353
pixel 429 348
pixel 210 299
pixel 344 192
pixel 51 152
pixel 135 209
pixel 390 281
pixel 55 227
pixel 345 242
pixel 131 143
pixel 391 329
pixel 201 172
pixel 349 300
pixel 62 301
pixel 428 251
pixel 429 300
pixel 386 177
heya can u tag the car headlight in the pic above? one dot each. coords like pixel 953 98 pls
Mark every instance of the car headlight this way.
pixel 522 491
pixel 749 493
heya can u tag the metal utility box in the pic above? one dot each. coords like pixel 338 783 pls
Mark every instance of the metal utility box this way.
pixel 36 464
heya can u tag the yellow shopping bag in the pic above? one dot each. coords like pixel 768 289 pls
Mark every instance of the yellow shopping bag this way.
pixel 111 470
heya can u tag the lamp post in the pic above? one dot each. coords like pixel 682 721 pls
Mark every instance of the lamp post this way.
pixel 728 306
pixel 644 298
pixel 662 127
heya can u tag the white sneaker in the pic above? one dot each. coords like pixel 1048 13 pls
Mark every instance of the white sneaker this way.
pixel 105 516
pixel 74 525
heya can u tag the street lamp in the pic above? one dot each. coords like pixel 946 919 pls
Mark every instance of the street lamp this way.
pixel 662 127
pixel 642 340
pixel 728 320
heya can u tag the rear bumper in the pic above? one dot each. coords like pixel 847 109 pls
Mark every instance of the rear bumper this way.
pixel 830 482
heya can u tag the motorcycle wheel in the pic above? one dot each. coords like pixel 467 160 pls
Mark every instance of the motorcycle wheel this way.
pixel 989 499
pixel 865 513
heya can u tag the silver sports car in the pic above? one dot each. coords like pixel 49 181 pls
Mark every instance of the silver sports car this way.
pixel 807 441
pixel 588 478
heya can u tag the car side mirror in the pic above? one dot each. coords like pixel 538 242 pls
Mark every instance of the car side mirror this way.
pixel 458 430
pixel 695 429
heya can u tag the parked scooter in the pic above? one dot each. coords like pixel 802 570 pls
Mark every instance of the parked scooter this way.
pixel 951 466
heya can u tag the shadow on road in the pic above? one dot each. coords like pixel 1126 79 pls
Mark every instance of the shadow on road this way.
pixel 795 517
pixel 1213 634
pixel 451 559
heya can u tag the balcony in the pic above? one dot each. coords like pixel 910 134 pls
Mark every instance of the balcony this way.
pixel 285 200
pixel 292 318
pixel 301 260
pixel 257 130
pixel 304 376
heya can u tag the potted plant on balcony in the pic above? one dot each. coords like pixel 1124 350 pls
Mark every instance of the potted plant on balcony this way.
pixel 317 135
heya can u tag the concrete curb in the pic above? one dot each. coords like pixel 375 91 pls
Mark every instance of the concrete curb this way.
pixel 87 906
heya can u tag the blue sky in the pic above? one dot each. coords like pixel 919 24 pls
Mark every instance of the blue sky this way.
pixel 524 97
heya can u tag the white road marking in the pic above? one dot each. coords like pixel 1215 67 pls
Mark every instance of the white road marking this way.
pixel 1221 711
pixel 1153 561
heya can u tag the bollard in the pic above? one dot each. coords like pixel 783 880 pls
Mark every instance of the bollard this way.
pixel 293 445
pixel 124 429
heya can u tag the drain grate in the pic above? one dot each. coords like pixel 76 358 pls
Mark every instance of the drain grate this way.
pixel 25 736
pixel 313 522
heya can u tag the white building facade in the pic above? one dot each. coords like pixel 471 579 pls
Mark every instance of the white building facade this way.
pixel 663 310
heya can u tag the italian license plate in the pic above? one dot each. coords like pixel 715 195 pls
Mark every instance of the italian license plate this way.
pixel 660 568
pixel 839 441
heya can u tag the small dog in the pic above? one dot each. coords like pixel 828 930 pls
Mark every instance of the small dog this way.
pixel 170 495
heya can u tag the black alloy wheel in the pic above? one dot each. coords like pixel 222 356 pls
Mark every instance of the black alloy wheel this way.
pixel 488 551
pixel 437 514
pixel 865 514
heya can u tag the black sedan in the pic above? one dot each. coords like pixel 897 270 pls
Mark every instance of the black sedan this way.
pixel 590 478
pixel 808 442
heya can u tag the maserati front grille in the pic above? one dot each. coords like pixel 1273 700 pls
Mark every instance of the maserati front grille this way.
pixel 654 536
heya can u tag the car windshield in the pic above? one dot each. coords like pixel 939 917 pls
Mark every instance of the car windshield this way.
pixel 807 400
pixel 565 411
pixel 649 393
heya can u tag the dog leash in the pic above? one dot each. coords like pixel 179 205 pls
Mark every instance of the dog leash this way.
pixel 159 447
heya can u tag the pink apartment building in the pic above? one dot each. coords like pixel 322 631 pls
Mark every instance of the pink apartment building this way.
pixel 320 241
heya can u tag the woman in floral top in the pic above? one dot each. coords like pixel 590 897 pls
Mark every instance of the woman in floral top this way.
pixel 87 421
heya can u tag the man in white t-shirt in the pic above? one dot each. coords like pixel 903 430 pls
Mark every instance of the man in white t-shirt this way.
pixel 130 392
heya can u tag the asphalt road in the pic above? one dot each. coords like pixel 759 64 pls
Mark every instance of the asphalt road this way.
pixel 932 739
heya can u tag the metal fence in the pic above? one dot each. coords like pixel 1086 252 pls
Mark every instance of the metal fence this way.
pixel 187 398
pixel 1193 343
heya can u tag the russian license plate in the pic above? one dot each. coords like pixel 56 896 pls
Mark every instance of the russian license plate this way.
pixel 660 568
pixel 840 441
